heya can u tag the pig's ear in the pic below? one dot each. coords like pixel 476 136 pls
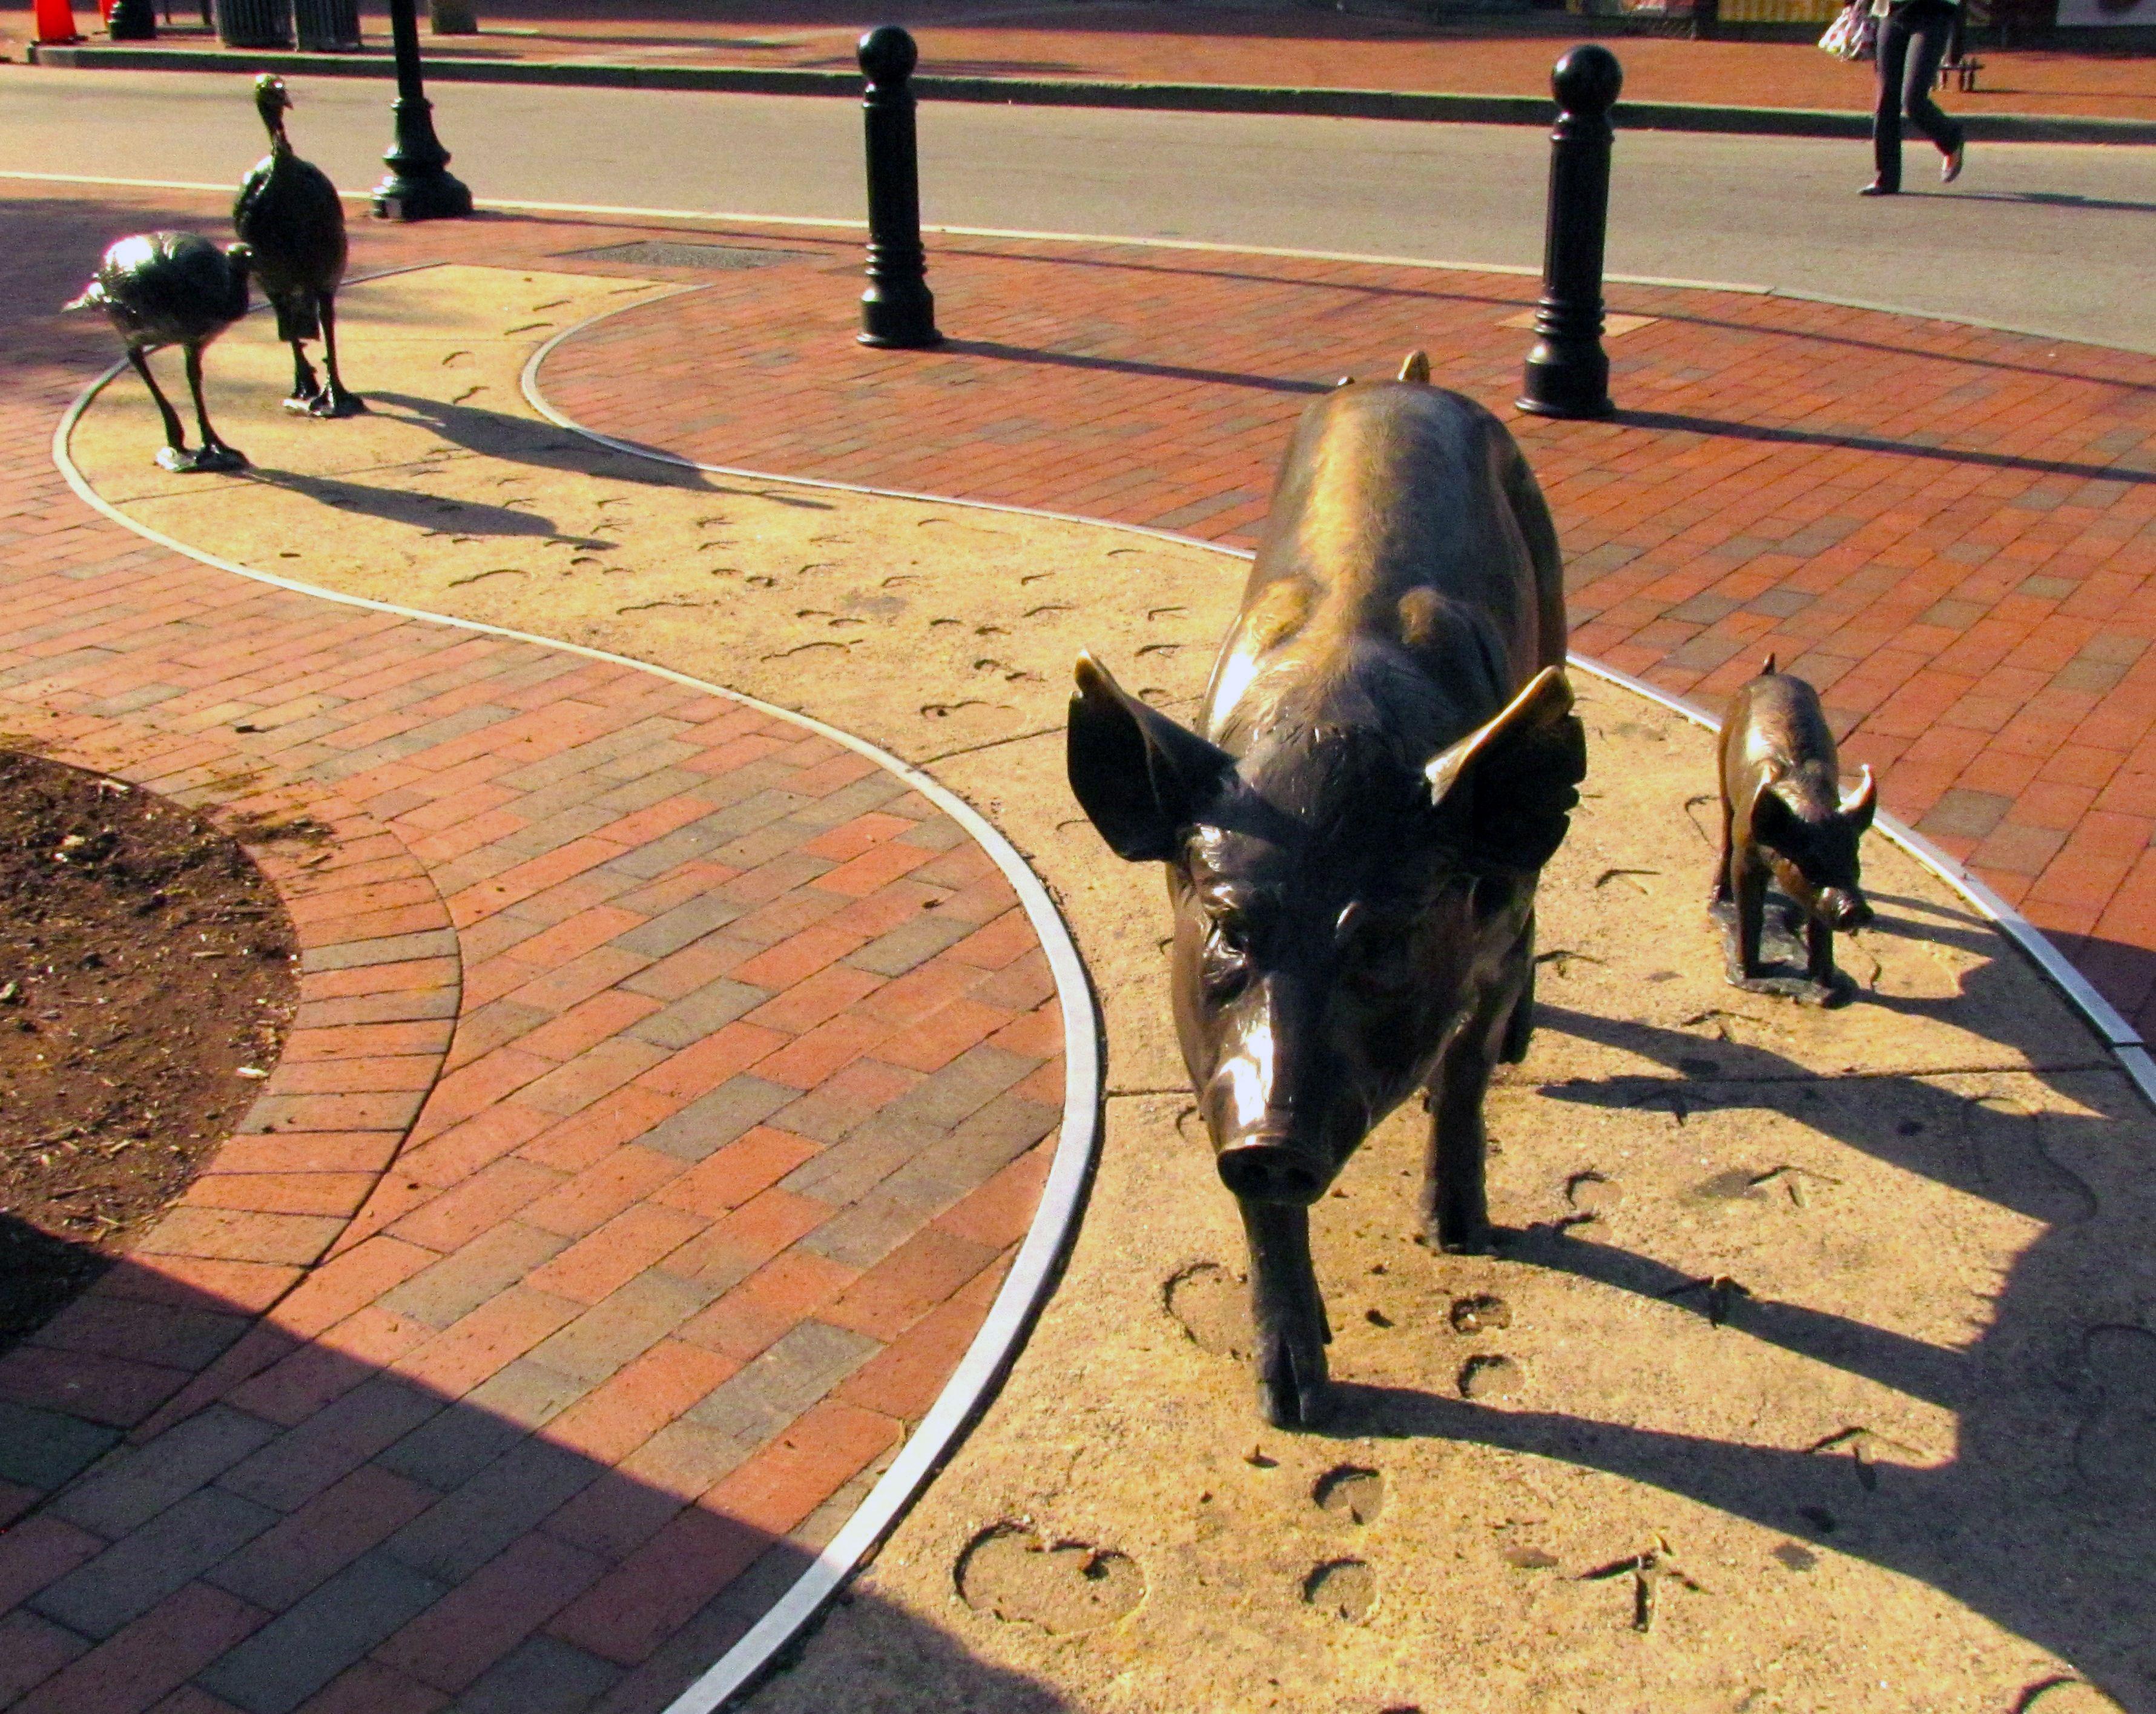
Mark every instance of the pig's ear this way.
pixel 1507 788
pixel 1140 777
pixel 1861 805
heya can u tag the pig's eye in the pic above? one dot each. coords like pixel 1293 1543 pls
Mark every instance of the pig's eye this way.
pixel 1227 957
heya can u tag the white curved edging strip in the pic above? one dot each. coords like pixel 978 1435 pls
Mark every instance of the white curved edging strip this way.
pixel 1054 1220
pixel 2124 1041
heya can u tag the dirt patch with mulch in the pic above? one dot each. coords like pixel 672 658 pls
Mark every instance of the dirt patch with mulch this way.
pixel 148 973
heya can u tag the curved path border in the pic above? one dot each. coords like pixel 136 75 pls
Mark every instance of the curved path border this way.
pixel 1032 1271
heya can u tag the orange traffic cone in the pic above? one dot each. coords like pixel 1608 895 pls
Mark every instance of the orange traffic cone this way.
pixel 56 22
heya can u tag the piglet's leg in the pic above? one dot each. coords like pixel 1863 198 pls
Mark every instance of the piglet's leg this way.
pixel 1289 1313
pixel 1818 960
pixel 1750 886
pixel 1719 893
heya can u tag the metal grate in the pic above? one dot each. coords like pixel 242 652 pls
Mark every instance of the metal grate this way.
pixel 658 254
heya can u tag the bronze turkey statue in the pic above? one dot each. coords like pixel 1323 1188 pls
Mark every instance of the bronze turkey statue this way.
pixel 173 288
pixel 290 212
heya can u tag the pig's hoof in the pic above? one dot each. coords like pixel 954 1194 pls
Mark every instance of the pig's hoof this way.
pixel 1834 992
pixel 1460 1234
pixel 1293 1391
pixel 1298 1405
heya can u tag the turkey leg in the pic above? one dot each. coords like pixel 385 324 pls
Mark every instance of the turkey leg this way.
pixel 176 455
pixel 215 454
pixel 306 385
pixel 335 401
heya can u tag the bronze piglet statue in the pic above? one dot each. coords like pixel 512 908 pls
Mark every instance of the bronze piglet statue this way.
pixel 1783 817
pixel 1386 756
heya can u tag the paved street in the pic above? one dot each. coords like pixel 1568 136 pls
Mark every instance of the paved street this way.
pixel 1771 212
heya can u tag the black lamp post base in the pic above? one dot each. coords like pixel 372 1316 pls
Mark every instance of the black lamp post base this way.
pixel 899 321
pixel 1565 392
pixel 420 185
pixel 438 196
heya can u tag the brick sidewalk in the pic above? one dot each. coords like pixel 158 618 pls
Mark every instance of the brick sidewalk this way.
pixel 1951 531
pixel 1295 47
pixel 670 1088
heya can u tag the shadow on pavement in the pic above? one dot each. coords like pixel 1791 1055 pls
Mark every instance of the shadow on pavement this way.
pixel 331 1529
pixel 1869 443
pixel 2044 1519
pixel 431 513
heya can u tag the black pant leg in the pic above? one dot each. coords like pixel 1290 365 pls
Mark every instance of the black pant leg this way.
pixel 1893 51
pixel 1929 33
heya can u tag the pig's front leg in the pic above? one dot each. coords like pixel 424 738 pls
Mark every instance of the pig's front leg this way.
pixel 1455 1208
pixel 1289 1313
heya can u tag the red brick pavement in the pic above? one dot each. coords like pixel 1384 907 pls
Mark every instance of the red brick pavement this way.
pixel 1951 531
pixel 670 1088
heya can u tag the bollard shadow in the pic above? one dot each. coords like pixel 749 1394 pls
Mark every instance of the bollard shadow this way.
pixel 355 1533
pixel 1869 443
pixel 1130 366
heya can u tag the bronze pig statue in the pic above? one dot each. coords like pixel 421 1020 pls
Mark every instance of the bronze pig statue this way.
pixel 1387 757
pixel 1783 817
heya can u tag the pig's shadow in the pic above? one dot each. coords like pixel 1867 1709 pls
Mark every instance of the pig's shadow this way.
pixel 2045 1519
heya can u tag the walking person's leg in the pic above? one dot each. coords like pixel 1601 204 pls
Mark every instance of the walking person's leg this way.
pixel 1893 49
pixel 1929 28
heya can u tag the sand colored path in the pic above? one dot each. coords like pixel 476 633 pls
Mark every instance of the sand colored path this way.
pixel 1810 1380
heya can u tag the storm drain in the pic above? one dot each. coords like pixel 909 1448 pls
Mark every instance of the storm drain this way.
pixel 658 254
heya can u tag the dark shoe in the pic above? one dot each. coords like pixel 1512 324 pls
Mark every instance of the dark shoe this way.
pixel 1950 168
pixel 1880 187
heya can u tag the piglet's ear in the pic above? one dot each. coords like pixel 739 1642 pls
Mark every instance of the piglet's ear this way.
pixel 1507 788
pixel 1140 777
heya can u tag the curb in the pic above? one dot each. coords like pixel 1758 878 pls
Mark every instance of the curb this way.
pixel 1425 107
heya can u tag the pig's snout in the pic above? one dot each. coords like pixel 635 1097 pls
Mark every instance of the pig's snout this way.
pixel 1272 1168
pixel 1845 909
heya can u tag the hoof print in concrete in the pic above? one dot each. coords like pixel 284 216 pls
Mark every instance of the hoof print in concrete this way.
pixel 1346 1588
pixel 2066 1696
pixel 1214 1309
pixel 1479 1314
pixel 1009 1572
pixel 1592 1195
pixel 2115 1448
pixel 1490 1377
pixel 1351 1492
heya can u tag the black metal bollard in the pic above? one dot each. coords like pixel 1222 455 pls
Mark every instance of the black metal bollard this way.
pixel 420 186
pixel 898 310
pixel 1567 374
pixel 132 21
